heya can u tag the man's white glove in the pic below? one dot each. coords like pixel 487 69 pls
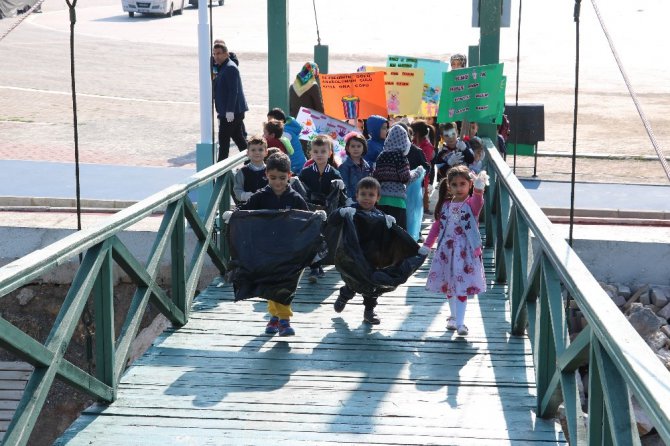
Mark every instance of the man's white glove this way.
pixel 460 145
pixel 482 180
pixel 230 116
pixel 338 184
pixel 389 221
pixel 321 213
pixel 424 250
pixel 226 216
pixel 244 196
pixel 455 158
pixel 349 202
pixel 420 170
pixel 347 211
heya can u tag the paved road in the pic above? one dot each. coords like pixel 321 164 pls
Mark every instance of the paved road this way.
pixel 137 78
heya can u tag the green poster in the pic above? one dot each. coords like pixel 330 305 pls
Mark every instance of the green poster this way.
pixel 474 93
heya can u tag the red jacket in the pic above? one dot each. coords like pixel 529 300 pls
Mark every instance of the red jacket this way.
pixel 429 152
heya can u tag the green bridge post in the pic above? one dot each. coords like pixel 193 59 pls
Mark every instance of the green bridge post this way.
pixel 489 49
pixel 278 77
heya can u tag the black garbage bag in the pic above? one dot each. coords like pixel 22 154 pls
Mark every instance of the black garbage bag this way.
pixel 269 250
pixel 385 260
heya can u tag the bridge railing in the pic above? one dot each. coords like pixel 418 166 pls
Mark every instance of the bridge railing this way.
pixel 620 363
pixel 98 248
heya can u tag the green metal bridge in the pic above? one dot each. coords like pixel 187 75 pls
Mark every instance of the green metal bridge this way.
pixel 214 378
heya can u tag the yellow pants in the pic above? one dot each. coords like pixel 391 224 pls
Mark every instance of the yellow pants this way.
pixel 280 310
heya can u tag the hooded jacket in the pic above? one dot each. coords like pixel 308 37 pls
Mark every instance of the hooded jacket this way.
pixel 392 168
pixel 375 143
pixel 292 129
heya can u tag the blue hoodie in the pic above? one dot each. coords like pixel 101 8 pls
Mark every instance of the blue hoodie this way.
pixel 292 129
pixel 375 143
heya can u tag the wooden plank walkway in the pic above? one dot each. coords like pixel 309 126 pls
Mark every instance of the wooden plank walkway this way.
pixel 13 379
pixel 220 381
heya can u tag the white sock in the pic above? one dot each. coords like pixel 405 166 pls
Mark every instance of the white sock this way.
pixel 460 311
pixel 452 306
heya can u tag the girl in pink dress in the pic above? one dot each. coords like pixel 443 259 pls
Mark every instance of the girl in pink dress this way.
pixel 457 269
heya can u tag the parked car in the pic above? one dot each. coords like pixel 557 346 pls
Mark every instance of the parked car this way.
pixel 167 7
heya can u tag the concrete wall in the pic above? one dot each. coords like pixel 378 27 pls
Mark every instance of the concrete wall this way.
pixel 19 241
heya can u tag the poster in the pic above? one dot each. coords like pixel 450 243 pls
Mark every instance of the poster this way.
pixel 474 93
pixel 315 123
pixel 432 79
pixel 353 95
pixel 403 89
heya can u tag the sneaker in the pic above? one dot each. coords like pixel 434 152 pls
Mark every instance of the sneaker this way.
pixel 285 328
pixel 462 330
pixel 370 317
pixel 273 325
pixel 321 274
pixel 339 304
pixel 313 275
pixel 451 323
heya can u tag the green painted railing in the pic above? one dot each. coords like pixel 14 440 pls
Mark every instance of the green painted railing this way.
pixel 100 247
pixel 621 364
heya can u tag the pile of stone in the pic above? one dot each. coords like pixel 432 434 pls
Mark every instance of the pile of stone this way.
pixel 647 308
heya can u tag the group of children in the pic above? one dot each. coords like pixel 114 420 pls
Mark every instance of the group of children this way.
pixel 374 177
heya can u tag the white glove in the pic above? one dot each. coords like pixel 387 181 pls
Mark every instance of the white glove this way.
pixel 321 213
pixel 230 116
pixel 420 170
pixel 460 145
pixel 349 202
pixel 424 250
pixel 244 196
pixel 347 211
pixel 455 158
pixel 226 216
pixel 389 221
pixel 482 180
pixel 338 183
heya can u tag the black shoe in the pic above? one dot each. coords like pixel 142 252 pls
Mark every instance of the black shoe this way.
pixel 339 304
pixel 370 317
pixel 321 273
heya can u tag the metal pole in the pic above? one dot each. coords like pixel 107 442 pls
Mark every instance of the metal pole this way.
pixel 278 76
pixel 489 49
pixel 204 149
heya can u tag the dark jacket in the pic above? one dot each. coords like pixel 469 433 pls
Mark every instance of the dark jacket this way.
pixel 267 199
pixel 310 99
pixel 416 158
pixel 318 184
pixel 228 91
pixel 375 143
pixel 352 174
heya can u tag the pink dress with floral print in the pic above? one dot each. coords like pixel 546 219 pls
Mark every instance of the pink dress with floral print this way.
pixel 456 269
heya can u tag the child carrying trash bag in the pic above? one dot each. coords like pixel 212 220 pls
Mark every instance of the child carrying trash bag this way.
pixel 272 238
pixel 372 253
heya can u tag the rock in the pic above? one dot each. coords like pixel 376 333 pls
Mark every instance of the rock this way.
pixel 652 439
pixel 656 340
pixel 663 355
pixel 636 296
pixel 666 329
pixel 643 320
pixel 25 296
pixel 645 299
pixel 652 307
pixel 664 312
pixel 611 290
pixel 644 425
pixel 623 290
pixel 658 296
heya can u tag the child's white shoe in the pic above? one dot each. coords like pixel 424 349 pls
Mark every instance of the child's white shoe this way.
pixel 462 330
pixel 451 323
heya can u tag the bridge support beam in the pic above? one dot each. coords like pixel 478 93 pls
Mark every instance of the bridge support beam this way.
pixel 278 67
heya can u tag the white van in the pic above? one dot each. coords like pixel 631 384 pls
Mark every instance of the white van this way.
pixel 167 7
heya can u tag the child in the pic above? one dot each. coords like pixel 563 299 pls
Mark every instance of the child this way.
pixel 458 61
pixel 478 149
pixel 251 177
pixel 422 136
pixel 273 132
pixel 377 129
pixel 393 173
pixel 354 167
pixel 368 192
pixel 318 179
pixel 457 269
pixel 453 151
pixel 292 130
pixel 276 195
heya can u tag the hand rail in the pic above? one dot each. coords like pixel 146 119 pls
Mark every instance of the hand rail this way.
pixel 620 362
pixel 101 247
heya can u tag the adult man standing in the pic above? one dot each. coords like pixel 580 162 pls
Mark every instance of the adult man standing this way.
pixel 229 101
